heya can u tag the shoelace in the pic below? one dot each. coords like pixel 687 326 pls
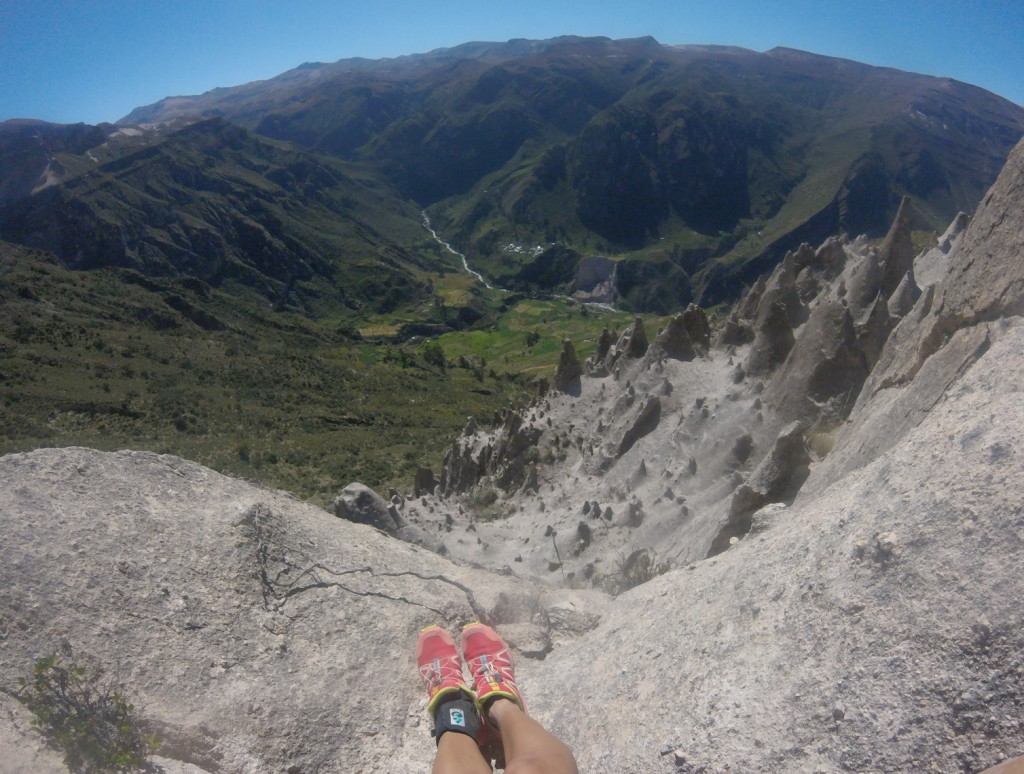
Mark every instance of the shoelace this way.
pixel 496 668
pixel 439 671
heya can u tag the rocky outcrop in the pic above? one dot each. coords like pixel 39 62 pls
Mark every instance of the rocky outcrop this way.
pixel 886 605
pixel 631 344
pixel 233 613
pixel 823 374
pixel 686 336
pixel 950 327
pixel 773 337
pixel 568 371
pixel 503 457
pixel 361 505
pixel 776 479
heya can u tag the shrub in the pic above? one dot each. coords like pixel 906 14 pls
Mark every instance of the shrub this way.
pixel 87 716
pixel 639 567
pixel 433 354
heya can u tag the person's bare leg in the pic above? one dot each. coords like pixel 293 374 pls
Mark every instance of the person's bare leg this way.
pixel 458 754
pixel 529 747
pixel 1015 766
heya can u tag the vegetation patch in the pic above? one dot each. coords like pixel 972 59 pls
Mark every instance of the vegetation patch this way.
pixel 85 714
pixel 633 569
pixel 100 359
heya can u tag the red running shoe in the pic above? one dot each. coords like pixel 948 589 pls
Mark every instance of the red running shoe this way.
pixel 437 658
pixel 490 663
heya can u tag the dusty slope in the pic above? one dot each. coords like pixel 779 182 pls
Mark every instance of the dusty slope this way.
pixel 875 626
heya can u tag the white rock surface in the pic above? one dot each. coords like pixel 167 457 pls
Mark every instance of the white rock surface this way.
pixel 256 632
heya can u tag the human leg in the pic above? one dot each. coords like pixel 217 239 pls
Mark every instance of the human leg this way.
pixel 529 748
pixel 450 705
pixel 459 754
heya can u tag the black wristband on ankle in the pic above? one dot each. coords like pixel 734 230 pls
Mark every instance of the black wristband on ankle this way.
pixel 457 715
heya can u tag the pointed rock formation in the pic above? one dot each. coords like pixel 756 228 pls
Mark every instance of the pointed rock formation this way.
pixel 825 370
pixel 873 331
pixel 568 372
pixel 904 297
pixel 595 363
pixel 863 280
pixel 779 310
pixel 896 253
pixel 773 338
pixel 686 336
pixel 632 344
pixel 747 306
pixel 931 266
pixel 501 455
pixel 949 329
pixel 777 478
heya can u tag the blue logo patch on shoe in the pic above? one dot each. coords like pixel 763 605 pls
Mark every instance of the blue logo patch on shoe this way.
pixel 457 717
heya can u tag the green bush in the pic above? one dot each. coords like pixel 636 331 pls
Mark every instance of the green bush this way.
pixel 433 354
pixel 87 716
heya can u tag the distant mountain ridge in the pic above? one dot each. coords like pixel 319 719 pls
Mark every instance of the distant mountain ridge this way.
pixel 688 170
pixel 711 160
pixel 212 201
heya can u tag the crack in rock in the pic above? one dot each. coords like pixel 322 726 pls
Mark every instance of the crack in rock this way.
pixel 277 589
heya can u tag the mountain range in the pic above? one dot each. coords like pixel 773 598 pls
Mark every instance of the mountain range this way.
pixel 693 168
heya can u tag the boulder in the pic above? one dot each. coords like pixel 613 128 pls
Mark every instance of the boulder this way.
pixel 361 505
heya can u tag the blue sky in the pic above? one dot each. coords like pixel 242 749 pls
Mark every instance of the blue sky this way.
pixel 95 60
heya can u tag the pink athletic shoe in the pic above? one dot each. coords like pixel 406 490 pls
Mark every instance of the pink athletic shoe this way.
pixel 440 666
pixel 490 663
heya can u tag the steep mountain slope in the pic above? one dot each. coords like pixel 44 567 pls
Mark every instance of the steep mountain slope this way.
pixel 709 161
pixel 211 201
pixel 872 624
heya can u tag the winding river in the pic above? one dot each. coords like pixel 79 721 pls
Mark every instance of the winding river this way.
pixel 453 251
pixel 479 276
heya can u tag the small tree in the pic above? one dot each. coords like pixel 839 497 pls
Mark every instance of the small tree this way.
pixel 86 715
pixel 433 354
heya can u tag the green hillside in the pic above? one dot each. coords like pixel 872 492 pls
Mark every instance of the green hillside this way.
pixel 112 359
